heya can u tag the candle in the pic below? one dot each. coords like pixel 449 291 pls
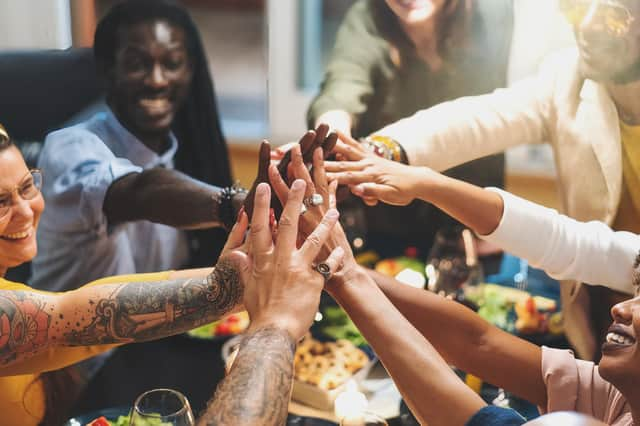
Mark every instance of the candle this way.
pixel 351 405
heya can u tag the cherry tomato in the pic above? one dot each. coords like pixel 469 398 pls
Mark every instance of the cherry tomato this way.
pixel 100 421
pixel 223 328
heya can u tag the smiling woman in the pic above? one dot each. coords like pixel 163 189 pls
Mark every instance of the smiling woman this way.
pixel 41 333
pixel 21 205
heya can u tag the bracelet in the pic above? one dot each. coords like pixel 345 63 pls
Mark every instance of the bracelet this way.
pixel 225 204
pixel 386 147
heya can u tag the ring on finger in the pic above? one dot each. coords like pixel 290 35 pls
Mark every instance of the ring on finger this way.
pixel 323 269
pixel 303 209
pixel 313 200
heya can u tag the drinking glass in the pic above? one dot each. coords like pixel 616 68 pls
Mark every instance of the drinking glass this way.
pixel 453 262
pixel 366 419
pixel 162 406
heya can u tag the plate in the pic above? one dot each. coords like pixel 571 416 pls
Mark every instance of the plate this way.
pixel 113 413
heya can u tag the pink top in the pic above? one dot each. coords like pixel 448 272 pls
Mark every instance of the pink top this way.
pixel 576 385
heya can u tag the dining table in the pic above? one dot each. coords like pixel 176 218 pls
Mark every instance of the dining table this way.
pixel 195 367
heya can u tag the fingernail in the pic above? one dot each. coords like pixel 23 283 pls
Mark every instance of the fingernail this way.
pixel 240 214
pixel 332 213
pixel 298 184
pixel 357 190
pixel 262 189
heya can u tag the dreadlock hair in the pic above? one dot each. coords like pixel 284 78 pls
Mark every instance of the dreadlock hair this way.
pixel 202 150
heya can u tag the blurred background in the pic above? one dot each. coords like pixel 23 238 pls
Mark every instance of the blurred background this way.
pixel 267 59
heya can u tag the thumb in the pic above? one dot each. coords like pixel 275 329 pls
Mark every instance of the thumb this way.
pixel 236 236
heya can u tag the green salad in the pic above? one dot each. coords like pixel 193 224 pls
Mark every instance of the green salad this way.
pixel 126 421
pixel 337 325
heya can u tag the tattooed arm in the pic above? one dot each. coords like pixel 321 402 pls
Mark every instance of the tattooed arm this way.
pixel 31 321
pixel 282 293
pixel 258 387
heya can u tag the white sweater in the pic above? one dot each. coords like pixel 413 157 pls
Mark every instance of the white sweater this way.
pixel 565 248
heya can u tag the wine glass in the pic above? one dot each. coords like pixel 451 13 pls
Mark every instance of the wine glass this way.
pixel 453 262
pixel 162 406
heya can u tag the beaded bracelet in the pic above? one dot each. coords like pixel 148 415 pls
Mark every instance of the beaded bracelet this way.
pixel 224 199
pixel 386 147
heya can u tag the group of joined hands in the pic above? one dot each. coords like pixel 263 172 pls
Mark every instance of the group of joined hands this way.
pixel 289 236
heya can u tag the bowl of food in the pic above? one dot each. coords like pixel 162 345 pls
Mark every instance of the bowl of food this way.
pixel 229 326
pixel 321 368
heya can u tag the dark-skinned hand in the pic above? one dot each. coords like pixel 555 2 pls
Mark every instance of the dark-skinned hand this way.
pixel 318 138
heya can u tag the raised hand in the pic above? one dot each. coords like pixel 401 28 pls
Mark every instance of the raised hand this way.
pixel 282 288
pixel 318 138
pixel 309 220
pixel 374 178
pixel 262 175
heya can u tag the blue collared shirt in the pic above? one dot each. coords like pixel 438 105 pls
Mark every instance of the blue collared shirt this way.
pixel 76 244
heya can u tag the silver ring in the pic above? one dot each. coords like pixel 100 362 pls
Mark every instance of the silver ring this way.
pixel 303 209
pixel 323 269
pixel 313 200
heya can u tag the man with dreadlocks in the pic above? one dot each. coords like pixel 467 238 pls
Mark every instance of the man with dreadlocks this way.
pixel 146 185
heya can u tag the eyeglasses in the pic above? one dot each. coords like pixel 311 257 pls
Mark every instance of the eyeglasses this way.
pixel 27 189
pixel 616 17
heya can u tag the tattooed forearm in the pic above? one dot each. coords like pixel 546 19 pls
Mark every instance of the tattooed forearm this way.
pixel 147 310
pixel 258 388
pixel 31 321
pixel 24 325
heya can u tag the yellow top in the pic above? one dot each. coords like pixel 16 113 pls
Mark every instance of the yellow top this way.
pixel 628 217
pixel 21 393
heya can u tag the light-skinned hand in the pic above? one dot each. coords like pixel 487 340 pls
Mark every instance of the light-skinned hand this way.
pixel 318 184
pixel 282 288
pixel 373 178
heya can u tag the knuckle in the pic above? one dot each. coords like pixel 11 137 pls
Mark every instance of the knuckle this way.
pixel 285 221
pixel 257 229
pixel 314 240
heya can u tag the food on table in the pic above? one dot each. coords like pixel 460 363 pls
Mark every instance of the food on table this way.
pixel 126 421
pixel 529 319
pixel 492 305
pixel 100 421
pixel 229 326
pixel 337 325
pixel 406 269
pixel 515 310
pixel 367 258
pixel 514 295
pixel 329 364
pixel 555 323
pixel 392 267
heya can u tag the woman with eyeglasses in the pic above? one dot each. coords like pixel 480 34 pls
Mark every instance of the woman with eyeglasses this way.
pixel 41 332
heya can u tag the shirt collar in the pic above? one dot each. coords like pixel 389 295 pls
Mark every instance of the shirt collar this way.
pixel 136 151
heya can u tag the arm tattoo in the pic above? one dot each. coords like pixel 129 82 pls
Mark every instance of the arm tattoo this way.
pixel 24 325
pixel 137 311
pixel 146 310
pixel 258 388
